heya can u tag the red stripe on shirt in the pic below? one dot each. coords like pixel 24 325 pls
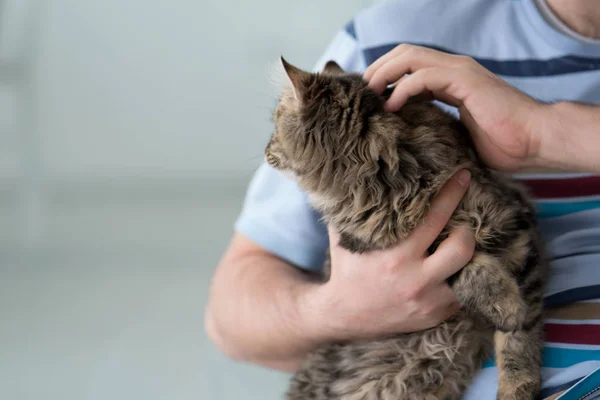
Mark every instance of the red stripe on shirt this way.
pixel 565 187
pixel 575 334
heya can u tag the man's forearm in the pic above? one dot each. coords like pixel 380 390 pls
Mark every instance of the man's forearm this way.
pixel 288 363
pixel 568 137
pixel 267 320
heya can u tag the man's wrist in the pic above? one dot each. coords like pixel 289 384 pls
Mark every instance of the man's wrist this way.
pixel 312 315
pixel 547 143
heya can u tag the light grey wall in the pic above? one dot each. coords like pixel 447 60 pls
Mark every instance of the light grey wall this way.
pixel 136 88
pixel 105 270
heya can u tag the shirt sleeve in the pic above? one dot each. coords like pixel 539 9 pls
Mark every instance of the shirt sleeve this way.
pixel 276 214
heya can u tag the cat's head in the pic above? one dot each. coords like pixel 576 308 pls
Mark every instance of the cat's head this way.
pixel 332 132
pixel 371 172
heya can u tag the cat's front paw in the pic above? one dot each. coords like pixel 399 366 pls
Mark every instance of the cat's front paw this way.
pixel 509 314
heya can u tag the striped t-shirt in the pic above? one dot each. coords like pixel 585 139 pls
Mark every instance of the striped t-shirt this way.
pixel 512 39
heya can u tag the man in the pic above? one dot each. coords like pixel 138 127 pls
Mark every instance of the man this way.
pixel 264 309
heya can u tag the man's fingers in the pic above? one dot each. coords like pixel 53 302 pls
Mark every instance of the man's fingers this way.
pixel 451 304
pixel 405 59
pixel 443 304
pixel 451 255
pixel 442 208
pixel 452 309
pixel 401 50
pixel 388 73
pixel 407 62
pixel 435 80
pixel 370 71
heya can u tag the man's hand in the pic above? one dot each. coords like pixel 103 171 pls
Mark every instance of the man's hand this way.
pixel 499 117
pixel 265 311
pixel 402 289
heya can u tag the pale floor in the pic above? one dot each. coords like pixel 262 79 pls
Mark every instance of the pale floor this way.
pixel 109 303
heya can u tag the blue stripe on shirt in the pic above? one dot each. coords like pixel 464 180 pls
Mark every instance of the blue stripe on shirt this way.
pixel 516 68
pixel 350 29
pixel 572 296
pixel 556 209
pixel 549 391
pixel 555 357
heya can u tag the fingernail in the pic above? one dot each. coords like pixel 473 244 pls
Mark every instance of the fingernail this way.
pixel 464 177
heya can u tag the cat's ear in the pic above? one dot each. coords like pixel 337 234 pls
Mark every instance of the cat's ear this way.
pixel 297 78
pixel 333 68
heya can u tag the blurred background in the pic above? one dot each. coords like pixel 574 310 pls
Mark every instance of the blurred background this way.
pixel 128 132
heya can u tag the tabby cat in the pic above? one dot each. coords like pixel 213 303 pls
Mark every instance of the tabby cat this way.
pixel 372 174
